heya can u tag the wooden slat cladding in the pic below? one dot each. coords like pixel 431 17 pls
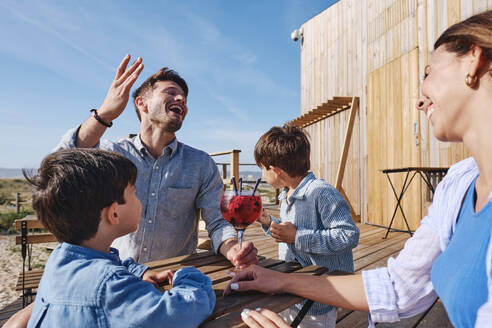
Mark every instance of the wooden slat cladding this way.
pixel 376 50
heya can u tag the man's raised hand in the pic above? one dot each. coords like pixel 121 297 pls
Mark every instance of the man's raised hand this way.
pixel 119 91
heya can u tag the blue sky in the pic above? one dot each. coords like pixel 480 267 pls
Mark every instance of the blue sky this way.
pixel 58 59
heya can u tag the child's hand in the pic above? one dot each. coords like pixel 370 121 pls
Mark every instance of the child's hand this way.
pixel 264 218
pixel 284 232
pixel 156 277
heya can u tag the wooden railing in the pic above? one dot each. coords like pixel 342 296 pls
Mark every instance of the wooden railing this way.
pixel 234 163
pixel 234 169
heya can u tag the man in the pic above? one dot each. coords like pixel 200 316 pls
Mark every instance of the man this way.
pixel 174 181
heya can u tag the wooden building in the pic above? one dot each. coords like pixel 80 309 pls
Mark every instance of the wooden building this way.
pixel 377 50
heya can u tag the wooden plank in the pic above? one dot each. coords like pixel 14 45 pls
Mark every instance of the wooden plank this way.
pixel 178 259
pixel 356 319
pixel 436 317
pixel 32 223
pixel 378 255
pixel 352 212
pixel 37 239
pixel 10 310
pixel 226 152
pixel 346 144
pixel 275 303
pixel 380 246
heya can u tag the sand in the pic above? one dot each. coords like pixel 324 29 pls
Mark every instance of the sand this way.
pixel 11 265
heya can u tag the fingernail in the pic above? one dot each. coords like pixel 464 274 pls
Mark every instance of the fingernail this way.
pixel 244 313
pixel 234 286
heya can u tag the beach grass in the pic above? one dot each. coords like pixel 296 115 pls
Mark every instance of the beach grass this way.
pixel 8 214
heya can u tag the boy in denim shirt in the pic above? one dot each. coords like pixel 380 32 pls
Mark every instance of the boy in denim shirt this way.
pixel 315 225
pixel 86 198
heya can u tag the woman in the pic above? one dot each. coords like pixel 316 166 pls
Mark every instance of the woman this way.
pixel 450 254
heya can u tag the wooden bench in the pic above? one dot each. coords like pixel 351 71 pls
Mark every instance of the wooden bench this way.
pixel 29 280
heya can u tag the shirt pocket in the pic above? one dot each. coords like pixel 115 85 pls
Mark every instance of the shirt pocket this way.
pixel 180 202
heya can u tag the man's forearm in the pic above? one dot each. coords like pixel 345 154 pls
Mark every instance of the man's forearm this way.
pixel 345 291
pixel 90 133
pixel 226 246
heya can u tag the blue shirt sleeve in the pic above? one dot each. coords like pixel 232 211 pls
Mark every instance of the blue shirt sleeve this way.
pixel 134 267
pixel 339 232
pixel 130 302
pixel 69 140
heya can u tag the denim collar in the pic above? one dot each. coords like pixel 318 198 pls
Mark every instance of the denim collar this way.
pixel 82 251
pixel 301 189
pixel 169 149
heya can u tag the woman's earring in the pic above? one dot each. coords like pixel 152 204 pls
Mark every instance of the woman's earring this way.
pixel 471 81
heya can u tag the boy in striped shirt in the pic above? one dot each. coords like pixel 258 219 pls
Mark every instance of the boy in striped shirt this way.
pixel 315 226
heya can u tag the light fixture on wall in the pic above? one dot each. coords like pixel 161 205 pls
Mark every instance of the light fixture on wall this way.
pixel 296 34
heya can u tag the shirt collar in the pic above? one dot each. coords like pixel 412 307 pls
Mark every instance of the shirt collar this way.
pixel 169 149
pixel 301 189
pixel 112 255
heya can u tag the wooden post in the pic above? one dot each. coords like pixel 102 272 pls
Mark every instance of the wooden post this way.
pixel 17 202
pixel 346 144
pixel 224 171
pixel 235 164
pixel 343 158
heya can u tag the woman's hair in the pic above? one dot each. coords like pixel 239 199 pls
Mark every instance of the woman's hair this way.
pixel 473 31
pixel 285 147
pixel 72 187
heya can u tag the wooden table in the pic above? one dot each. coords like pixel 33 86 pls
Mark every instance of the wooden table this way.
pixel 372 252
pixel 227 311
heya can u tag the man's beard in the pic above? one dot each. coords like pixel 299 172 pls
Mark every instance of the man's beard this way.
pixel 172 126
pixel 167 125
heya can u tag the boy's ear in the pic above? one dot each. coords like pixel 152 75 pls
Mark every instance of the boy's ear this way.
pixel 276 170
pixel 110 214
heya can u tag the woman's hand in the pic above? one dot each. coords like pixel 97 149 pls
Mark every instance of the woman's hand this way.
pixel 257 278
pixel 263 318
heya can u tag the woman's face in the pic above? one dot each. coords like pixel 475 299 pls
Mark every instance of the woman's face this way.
pixel 444 95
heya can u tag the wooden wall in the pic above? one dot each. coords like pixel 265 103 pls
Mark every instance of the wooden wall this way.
pixel 331 43
pixel 377 50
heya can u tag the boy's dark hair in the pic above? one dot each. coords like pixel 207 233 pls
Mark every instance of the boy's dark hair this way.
pixel 164 74
pixel 285 147
pixel 73 186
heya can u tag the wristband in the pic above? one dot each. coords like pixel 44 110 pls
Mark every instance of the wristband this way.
pixel 100 120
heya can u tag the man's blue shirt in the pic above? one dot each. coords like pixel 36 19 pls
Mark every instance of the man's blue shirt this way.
pixel 173 189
